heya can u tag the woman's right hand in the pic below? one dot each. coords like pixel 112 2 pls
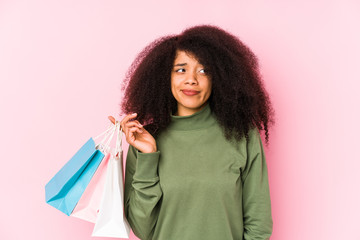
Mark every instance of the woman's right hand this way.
pixel 136 134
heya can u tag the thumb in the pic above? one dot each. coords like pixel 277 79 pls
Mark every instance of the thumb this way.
pixel 112 119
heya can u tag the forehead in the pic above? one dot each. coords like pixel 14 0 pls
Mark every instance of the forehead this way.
pixel 185 57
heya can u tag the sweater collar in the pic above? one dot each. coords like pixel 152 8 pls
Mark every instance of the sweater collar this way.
pixel 199 120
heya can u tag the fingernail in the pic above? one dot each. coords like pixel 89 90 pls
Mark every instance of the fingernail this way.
pixel 133 114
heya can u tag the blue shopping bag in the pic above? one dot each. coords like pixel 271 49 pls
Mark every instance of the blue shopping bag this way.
pixel 64 190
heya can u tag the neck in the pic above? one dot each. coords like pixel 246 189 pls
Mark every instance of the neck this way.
pixel 201 119
pixel 181 111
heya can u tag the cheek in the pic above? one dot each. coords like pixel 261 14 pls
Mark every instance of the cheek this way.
pixel 175 83
pixel 173 86
pixel 208 87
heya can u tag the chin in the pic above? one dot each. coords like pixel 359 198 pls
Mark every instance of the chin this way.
pixel 193 105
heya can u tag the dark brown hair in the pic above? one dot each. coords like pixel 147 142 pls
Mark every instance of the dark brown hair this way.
pixel 238 98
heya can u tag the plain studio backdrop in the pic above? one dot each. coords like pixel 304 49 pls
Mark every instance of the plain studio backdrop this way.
pixel 62 64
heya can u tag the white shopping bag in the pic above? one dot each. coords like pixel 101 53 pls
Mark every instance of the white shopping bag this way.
pixel 111 221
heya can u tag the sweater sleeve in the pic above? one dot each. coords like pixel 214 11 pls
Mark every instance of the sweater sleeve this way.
pixel 142 192
pixel 258 222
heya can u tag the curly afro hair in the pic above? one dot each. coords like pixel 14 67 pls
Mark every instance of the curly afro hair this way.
pixel 238 98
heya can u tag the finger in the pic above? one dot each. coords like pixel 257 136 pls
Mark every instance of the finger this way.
pixel 130 134
pixel 127 135
pixel 129 130
pixel 138 123
pixel 126 119
pixel 132 124
pixel 124 126
pixel 135 129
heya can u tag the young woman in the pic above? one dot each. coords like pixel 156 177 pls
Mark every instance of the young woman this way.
pixel 195 167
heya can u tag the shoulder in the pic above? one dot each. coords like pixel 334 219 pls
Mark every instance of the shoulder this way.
pixel 254 132
pixel 254 142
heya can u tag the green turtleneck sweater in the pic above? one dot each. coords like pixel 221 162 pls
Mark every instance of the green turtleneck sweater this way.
pixel 198 185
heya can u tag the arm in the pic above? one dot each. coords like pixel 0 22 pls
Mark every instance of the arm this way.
pixel 258 222
pixel 142 192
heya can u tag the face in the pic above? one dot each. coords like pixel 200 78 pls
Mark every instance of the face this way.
pixel 190 84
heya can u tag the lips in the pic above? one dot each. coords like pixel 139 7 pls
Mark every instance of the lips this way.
pixel 190 92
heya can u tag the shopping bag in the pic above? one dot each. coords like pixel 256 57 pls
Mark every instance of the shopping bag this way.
pixel 111 221
pixel 64 190
pixel 88 206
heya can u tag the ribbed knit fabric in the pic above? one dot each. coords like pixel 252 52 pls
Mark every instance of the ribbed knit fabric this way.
pixel 198 185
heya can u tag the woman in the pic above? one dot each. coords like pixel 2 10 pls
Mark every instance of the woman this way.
pixel 196 167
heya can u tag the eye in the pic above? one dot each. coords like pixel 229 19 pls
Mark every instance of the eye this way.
pixel 202 71
pixel 180 70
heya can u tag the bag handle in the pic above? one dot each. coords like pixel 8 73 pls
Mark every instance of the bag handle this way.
pixel 104 145
pixel 111 127
pixel 118 146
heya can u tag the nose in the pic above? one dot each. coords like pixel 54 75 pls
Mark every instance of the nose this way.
pixel 191 78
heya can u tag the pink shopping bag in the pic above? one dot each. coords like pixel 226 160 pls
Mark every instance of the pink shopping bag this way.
pixel 88 206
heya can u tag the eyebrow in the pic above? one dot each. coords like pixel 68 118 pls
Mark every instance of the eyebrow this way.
pixel 180 64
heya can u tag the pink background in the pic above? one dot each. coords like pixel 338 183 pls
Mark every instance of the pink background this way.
pixel 62 62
